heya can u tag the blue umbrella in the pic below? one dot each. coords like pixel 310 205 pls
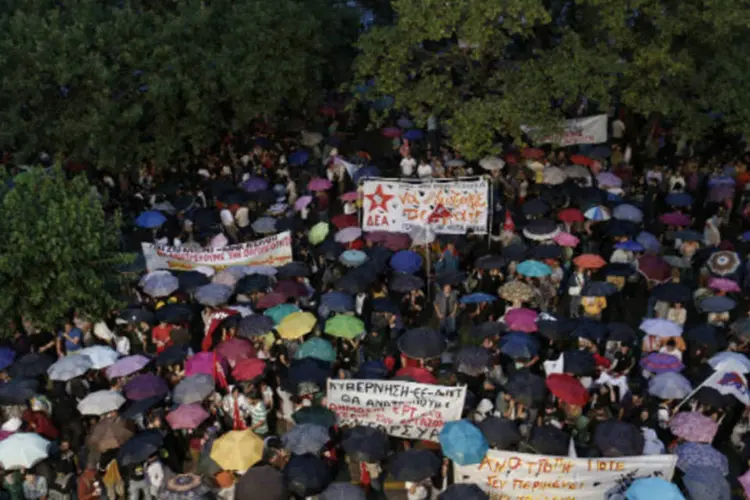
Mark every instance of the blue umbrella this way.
pixel 150 219
pixel 597 214
pixel 299 157
pixel 414 465
pixel 706 482
pixel 615 438
pixel 701 455
pixel 598 289
pixel 213 294
pixel 422 343
pixel 305 438
pixel 649 242
pixel 473 360
pixel 477 298
pixel 309 370
pixel 488 329
pixel 630 246
pixel 174 314
pixel 669 386
pixel 18 391
pixel 519 345
pixel 140 447
pixel 353 258
pixel 190 280
pixel 648 488
pixel 384 305
pixel 628 212
pixel 413 135
pixel 255 325
pixel 679 199
pixel 339 302
pixel 366 172
pixel 366 444
pixel 374 369
pixel 264 225
pixel 500 433
pixel 533 269
pixel 688 235
pixel 160 285
pixel 463 491
pixel 716 304
pixel 406 261
pixel 590 329
pixel 306 475
pixel 253 283
pixel 401 282
pixel 579 362
pixel 463 443
pixel 7 356
pixel 254 184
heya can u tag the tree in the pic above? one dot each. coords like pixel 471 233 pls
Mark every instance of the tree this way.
pixel 488 67
pixel 58 251
pixel 117 81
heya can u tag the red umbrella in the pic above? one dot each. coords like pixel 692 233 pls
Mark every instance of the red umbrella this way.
pixel 654 267
pixel 675 219
pixel 570 215
pixel 582 160
pixel 568 389
pixel 391 241
pixel 289 288
pixel 235 350
pixel 534 153
pixel 417 375
pixel 589 261
pixel 270 299
pixel 249 369
pixel 343 221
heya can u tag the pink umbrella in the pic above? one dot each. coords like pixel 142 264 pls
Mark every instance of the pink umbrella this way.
pixel 319 184
pixel 744 480
pixel 302 202
pixel 187 416
pixel 675 219
pixel 235 350
pixel 566 240
pixel 391 132
pixel 724 285
pixel 522 320
pixel 694 427
pixel 205 362
pixel 348 234
pixel 391 241
pixel 350 196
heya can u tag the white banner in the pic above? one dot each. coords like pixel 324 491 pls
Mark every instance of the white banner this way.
pixel 589 130
pixel 274 250
pixel 445 207
pixel 402 409
pixel 506 475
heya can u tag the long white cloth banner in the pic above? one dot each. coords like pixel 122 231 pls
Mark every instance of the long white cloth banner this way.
pixel 507 475
pixel 444 207
pixel 274 250
pixel 589 130
pixel 402 409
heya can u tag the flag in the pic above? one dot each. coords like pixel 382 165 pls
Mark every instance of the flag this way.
pixel 730 382
pixel 212 323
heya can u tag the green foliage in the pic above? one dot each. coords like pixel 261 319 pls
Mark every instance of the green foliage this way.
pixel 488 67
pixel 58 251
pixel 116 81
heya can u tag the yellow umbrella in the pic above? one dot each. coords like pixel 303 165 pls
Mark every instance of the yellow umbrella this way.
pixel 237 450
pixel 296 325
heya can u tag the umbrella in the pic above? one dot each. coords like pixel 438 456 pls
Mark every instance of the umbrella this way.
pixel 630 246
pixel 473 360
pixel 533 269
pixel 374 369
pixel 293 270
pixel 649 242
pixel 263 479
pixel 598 289
pixel 716 304
pixel 343 491
pixel 298 157
pixel 597 213
pixel 672 292
pixel 492 163
pixel 589 261
pixel 489 262
pixel 264 225
pixel 730 361
pixel 207 363
pixel 518 345
pixel 567 389
pixel 723 263
pixel 477 298
pixel 608 179
pixel 421 343
pixel 69 367
pixel 309 370
pixel 226 277
pixel 550 440
pixel 348 234
pixel 500 433
pixel 101 356
pixel 344 326
pixel 615 438
pixel 255 325
pixel 648 488
pixel 570 215
pixel 661 328
pixel 516 291
pixel 23 450
pixel 270 300
pixel 700 455
pixel 306 438
pixel 317 348
pixel 654 267
pixel 134 409
pixel 161 284
pixel 534 207
pixel 302 202
pixel 413 134
pixel 253 283
pixel 406 261
pixel 174 314
pixel 18 391
pixel 541 230
pixel 353 258
pixel 414 465
pixel 414 374
pixel 7 356
pixel 213 294
pixel 254 184
pixel 291 289
pixel 627 212
pixel 723 285
pixel 488 329
pixel 187 416
pixel 172 355
pixel 30 365
pixel 366 444
pixel 151 219
pixel 688 235
pixel 669 386
pixel 694 427
pixel 590 329
pixel 526 388
pixel 566 240
pixel 281 311
pixel 185 486
pixel 337 301
pixel 675 219
pixel 318 415
pixel 190 280
pixel 249 369
pixel 109 433
pixel 193 389
pixel 660 362
pixel 145 386
pixel 553 176
pixel 463 491
pixel 542 252
pixel 406 282
pixel 237 450
pixel 579 363
pixel 518 319
pixel 679 199
pixel 235 349
pixel 463 442
pixel 100 402
pixel 706 482
pixel 319 184
pixel 296 325
pixel 140 447
pixel 306 475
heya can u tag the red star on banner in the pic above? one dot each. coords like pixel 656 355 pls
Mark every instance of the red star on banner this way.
pixel 379 199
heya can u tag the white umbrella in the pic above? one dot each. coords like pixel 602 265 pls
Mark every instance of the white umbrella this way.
pixel 553 176
pixel 23 450
pixel 730 362
pixel 69 367
pixel 151 275
pixel 661 328
pixel 101 402
pixel 422 236
pixel 311 139
pixel 225 277
pixel 101 356
pixel 492 163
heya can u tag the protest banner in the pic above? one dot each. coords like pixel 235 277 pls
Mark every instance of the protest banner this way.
pixel 274 250
pixel 507 475
pixel 399 206
pixel 588 130
pixel 402 409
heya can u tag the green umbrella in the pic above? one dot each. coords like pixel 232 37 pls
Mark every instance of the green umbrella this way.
pixel 344 326
pixel 317 415
pixel 281 311
pixel 318 233
pixel 316 348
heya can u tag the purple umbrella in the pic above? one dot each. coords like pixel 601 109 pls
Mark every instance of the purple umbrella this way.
pixel 654 267
pixel 609 179
pixel 720 193
pixel 348 234
pixel 127 365
pixel 205 362
pixel 145 386
pixel 675 219
pixel 254 184
pixel 187 416
pixel 319 184
pixel 660 362
pixel 302 202
pixel 649 242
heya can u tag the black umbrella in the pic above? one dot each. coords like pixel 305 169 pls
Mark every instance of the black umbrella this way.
pixel 174 314
pixel 515 252
pixel 620 332
pixel 541 229
pixel 234 197
pixel 403 283
pixel 414 465
pixel 255 325
pixel 172 355
pixel 309 370
pixel 618 228
pixel 253 283
pixel 290 224
pixel 190 280
pixel 526 388
pixel 473 360
pixel 30 365
pixel 578 362
pixel 555 329
pixel 18 391
pixel 261 483
pixel 355 281
pixel 615 438
pixel 366 444
pixel 451 278
pixel 306 475
pixel 598 289
pixel 204 219
pixel 672 292
pixel 590 329
pixel 293 270
pixel 384 305
pixel 422 343
pixel 711 397
pixel 534 207
pixel 705 335
pixel 489 262
pixel 461 491
pixel 137 315
pixel 618 269
pixel 141 446
pixel 500 433
pixel 549 440
pixel 488 329
pixel 135 408
pixel 542 252
pixel 330 249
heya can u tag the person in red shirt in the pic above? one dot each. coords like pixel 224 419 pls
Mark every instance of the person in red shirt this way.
pixel 160 336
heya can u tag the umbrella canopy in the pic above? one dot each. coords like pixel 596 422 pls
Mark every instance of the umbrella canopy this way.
pixel 348 234
pixel 265 479
pixel 100 402
pixel 353 258
pixel 403 283
pixel 473 360
pixel 213 294
pixel 589 261
pixel 706 482
pixel 140 447
pixel 694 427
pixel 306 438
pixel 367 444
pixel 541 230
pixel 463 442
pixel 296 325
pixel 235 349
pixel 109 433
pixel 264 225
pixel 7 356
pixel 597 213
pixel 669 386
pixel 69 367
pixel 716 304
pixel 255 325
pixel 279 312
pixel 406 261
pixel 570 215
pixel 500 433
pixel 598 289
pixel 415 374
pixel 188 416
pixel 567 389
pixel 23 450
pixel 615 438
pixel 724 285
pixel 672 292
pixel 319 184
pixel 30 365
pixel 630 246
pixel 566 240
pixel 318 415
pixel 549 440
pixel 291 289
pixel 270 300
pixel 318 233
pixel 101 356
pixel 193 389
pixel 18 391
pixel 249 369
pixel 654 267
pixel 533 269
pixel 701 455
pixel 344 326
pixel 627 212
pixel 343 491
pixel 647 488
pixel 160 284
pixel 150 219
pixel 237 450
pixel 723 263
pixel 675 219
pixel 518 345
pixel 317 348
pixel 661 328
pixel 526 388
pixel 516 291
pixel 414 465
pixel 661 362
pixel 184 487
pixel 338 301
pixel 145 386
pixel 205 362
pixel 253 283
pixel 578 362
pixel 422 343
pixel 306 475
pixel 553 176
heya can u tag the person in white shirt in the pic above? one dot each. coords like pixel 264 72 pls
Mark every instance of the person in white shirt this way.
pixel 230 225
pixel 424 170
pixel 408 163
pixel 155 476
pixel 242 217
pixel 618 129
pixel 418 490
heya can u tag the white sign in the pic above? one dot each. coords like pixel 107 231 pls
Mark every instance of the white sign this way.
pixel 275 250
pixel 589 130
pixel 507 475
pixel 445 207
pixel 402 409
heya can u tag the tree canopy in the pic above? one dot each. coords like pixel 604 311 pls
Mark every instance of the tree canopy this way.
pixel 58 251
pixel 488 67
pixel 116 81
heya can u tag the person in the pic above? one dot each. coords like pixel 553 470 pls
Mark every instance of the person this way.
pixel 418 490
pixel 237 407
pixel 258 413
pixel 575 285
pixel 408 164
pixel 34 486
pixel 155 475
pixel 89 487
pixel 445 306
pixel 137 484
pixel 70 340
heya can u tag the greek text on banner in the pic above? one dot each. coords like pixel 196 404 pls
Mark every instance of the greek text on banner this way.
pixel 274 250
pixel 401 206
pixel 507 475
pixel 588 130
pixel 402 409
